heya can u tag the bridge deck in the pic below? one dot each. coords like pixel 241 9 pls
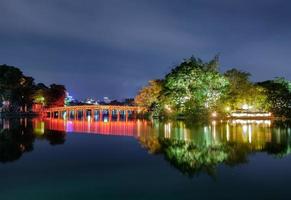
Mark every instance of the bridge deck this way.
pixel 95 107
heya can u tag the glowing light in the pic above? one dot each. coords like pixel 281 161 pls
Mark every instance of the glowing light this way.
pixel 39 128
pixel 167 128
pixel 245 107
pixel 168 108
pixel 214 114
pixel 227 132
pixel 248 114
pixel 227 108
pixel 245 128
pixel 214 129
pixel 205 129
pixel 250 133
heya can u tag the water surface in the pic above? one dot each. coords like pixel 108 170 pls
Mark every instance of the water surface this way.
pixel 46 159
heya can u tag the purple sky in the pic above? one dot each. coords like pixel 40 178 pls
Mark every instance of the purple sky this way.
pixel 112 48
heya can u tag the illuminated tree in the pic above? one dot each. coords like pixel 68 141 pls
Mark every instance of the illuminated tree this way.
pixel 244 92
pixel 194 86
pixel 149 94
pixel 40 94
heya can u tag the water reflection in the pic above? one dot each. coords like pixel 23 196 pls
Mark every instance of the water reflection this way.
pixel 195 148
pixel 190 147
pixel 17 136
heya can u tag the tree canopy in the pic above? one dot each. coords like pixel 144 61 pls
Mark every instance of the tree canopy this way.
pixel 279 96
pixel 243 92
pixel 197 88
pixel 18 91
pixel 194 85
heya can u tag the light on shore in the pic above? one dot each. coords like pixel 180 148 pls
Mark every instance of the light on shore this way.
pixel 214 114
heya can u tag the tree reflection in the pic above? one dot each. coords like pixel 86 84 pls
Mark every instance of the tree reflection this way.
pixel 15 141
pixel 17 136
pixel 190 158
pixel 200 148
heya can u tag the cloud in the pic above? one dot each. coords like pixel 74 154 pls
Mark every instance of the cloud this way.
pixel 128 42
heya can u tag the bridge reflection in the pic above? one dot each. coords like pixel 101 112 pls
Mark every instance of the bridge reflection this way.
pixel 117 128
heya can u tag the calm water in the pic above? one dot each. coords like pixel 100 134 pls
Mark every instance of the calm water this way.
pixel 55 159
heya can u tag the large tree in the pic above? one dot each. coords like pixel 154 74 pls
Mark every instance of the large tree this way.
pixel 194 86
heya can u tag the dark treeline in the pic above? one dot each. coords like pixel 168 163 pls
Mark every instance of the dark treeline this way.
pixel 197 89
pixel 19 92
pixel 20 138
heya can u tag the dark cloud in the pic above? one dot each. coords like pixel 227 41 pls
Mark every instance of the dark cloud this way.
pixel 113 47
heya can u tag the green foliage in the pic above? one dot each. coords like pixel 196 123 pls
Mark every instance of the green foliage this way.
pixel 194 87
pixel 279 96
pixel 242 91
pixel 192 159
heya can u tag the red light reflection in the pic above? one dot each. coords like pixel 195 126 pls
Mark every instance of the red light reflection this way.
pixel 118 128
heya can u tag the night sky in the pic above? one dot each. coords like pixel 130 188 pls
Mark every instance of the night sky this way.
pixel 112 48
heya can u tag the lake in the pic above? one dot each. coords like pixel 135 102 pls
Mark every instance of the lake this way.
pixel 137 159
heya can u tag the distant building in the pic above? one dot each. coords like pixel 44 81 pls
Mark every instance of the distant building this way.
pixel 69 99
pixel 106 100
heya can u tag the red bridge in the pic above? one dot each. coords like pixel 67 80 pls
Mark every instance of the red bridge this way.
pixel 93 111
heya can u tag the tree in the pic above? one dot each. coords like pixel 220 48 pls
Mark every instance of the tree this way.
pixel 279 96
pixel 243 92
pixel 149 94
pixel 55 95
pixel 15 88
pixel 40 94
pixel 194 86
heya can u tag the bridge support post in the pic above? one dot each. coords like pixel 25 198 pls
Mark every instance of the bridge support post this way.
pixel 126 115
pixel 84 114
pixel 109 114
pixel 118 115
pixel 75 114
pixel 92 114
pixel 133 113
pixel 101 115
